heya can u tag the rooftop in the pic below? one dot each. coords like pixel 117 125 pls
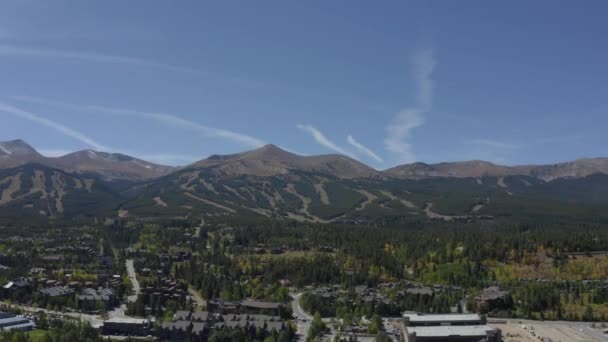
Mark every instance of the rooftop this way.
pixel 445 331
pixel 56 291
pixel 492 293
pixel 200 316
pixel 415 317
pixel 127 320
pixel 9 323
pixel 260 305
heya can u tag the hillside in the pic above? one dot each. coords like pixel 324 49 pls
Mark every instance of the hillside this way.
pixel 17 152
pixel 317 198
pixel 467 169
pixel 37 193
pixel 478 168
pixel 270 183
pixel 270 160
pixel 110 166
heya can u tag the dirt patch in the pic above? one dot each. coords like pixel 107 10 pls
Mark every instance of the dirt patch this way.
pixel 234 192
pixel 369 198
pixel 297 217
pixel 208 186
pixel 7 194
pixel 477 208
pixel 433 215
pixel 38 181
pixel 122 213
pixel 270 199
pixel 160 202
pixel 480 206
pixel 58 191
pixel 88 184
pixel 189 178
pixel 322 193
pixel 406 203
pixel 501 183
pixel 250 193
pixel 77 183
pixel 290 188
pixel 209 202
pixel 260 211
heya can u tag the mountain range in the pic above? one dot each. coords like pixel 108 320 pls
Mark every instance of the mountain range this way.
pixel 272 183
pixel 110 166
pixel 270 160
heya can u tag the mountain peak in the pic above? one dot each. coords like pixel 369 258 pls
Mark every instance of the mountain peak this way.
pixel 95 155
pixel 270 160
pixel 269 147
pixel 269 151
pixel 16 148
pixel 110 165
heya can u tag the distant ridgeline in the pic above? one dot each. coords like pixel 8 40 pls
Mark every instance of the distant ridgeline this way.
pixel 272 184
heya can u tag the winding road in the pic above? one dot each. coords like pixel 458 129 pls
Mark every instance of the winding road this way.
pixel 302 319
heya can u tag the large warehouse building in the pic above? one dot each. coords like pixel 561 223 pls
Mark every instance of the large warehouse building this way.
pixel 10 321
pixel 448 328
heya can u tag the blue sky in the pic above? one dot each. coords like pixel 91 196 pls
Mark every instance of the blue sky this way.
pixel 386 82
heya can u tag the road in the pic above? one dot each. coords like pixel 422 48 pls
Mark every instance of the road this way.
pixel 302 318
pixel 94 320
pixel 133 278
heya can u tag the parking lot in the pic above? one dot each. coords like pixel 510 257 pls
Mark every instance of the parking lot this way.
pixel 548 332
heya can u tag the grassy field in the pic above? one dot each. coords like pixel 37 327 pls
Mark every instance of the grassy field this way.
pixel 36 335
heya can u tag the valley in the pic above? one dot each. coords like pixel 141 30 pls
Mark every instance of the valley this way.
pixel 289 247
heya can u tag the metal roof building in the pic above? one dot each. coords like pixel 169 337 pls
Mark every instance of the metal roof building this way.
pixel 11 322
pixel 415 319
pixel 458 333
pixel 448 328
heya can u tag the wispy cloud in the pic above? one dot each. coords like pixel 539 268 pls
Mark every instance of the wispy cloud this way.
pixel 160 158
pixel 8 109
pixel 11 50
pixel 363 149
pixel 182 123
pixel 399 129
pixel 494 144
pixel 166 118
pixel 322 140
